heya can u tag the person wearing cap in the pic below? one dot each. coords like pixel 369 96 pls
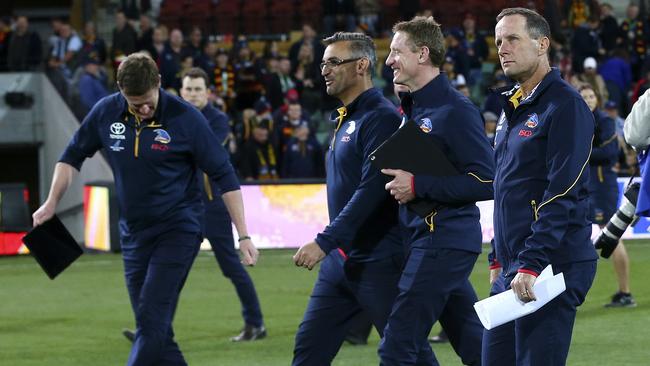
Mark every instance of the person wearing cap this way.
pixel 442 247
pixel 490 125
pixel 591 77
pixel 92 83
pixel 155 144
pixel 541 195
pixel 361 249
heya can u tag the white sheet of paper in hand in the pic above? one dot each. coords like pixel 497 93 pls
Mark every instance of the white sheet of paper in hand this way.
pixel 504 307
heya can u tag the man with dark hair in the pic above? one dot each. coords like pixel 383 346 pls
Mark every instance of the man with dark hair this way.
pixel 24 52
pixel 154 143
pixel 361 248
pixel 217 226
pixel 542 144
pixel 444 245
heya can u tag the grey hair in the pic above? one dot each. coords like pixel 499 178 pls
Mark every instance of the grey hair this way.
pixel 536 25
pixel 360 46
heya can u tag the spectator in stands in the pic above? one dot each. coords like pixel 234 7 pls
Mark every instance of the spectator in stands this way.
pixel 490 125
pixel 224 79
pixel 248 81
pixel 5 35
pixel 302 156
pixel 170 62
pixel 610 33
pixel 160 37
pixel 591 77
pixel 578 11
pixel 612 111
pixel 259 155
pixel 287 123
pixel 208 60
pixel 368 11
pixel 491 102
pixel 63 60
pixel 92 45
pixel 24 53
pixel 338 15
pixel 195 45
pixel 457 53
pixel 585 43
pixel 617 74
pixel 636 34
pixel 308 37
pixel 92 84
pixel 477 49
pixel 281 82
pixel 307 74
pixel 145 36
pixel 125 39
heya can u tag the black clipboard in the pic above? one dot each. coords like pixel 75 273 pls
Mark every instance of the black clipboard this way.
pixel 410 149
pixel 52 246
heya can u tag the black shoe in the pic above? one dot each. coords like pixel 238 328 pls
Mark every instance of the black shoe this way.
pixel 250 333
pixel 128 334
pixel 356 340
pixel 440 338
pixel 621 300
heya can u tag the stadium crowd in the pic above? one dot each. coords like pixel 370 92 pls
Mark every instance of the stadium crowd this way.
pixel 276 100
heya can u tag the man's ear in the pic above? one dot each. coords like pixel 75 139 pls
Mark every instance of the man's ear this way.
pixel 424 54
pixel 544 44
pixel 362 67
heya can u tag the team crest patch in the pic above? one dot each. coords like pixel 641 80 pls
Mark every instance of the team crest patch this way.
pixel 532 121
pixel 426 125
pixel 351 127
pixel 162 136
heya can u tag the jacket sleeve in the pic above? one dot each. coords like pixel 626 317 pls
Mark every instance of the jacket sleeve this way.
pixel 636 128
pixel 568 149
pixel 369 195
pixel 474 158
pixel 86 140
pixel 606 148
pixel 210 155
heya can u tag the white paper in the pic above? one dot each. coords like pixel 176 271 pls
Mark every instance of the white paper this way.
pixel 504 307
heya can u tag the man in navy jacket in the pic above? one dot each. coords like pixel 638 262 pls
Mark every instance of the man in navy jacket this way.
pixel 361 246
pixel 541 202
pixel 444 245
pixel 217 226
pixel 154 143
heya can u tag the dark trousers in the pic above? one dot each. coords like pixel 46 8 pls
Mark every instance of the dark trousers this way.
pixel 342 291
pixel 155 268
pixel 223 246
pixel 434 287
pixel 543 337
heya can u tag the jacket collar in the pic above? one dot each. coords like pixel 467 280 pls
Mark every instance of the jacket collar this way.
pixel 430 94
pixel 361 102
pixel 507 91
pixel 163 99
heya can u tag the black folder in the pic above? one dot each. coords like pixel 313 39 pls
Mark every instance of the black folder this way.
pixel 53 246
pixel 410 149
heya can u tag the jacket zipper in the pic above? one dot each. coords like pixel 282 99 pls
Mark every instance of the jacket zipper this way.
pixel 533 204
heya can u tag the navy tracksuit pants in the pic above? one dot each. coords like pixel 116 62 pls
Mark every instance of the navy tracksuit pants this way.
pixel 434 286
pixel 156 267
pixel 342 291
pixel 218 230
pixel 543 337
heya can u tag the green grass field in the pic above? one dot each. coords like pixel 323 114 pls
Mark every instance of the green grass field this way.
pixel 77 319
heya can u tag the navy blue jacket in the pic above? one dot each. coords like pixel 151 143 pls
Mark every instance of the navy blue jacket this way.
pixel 218 122
pixel 604 153
pixel 154 162
pixel 541 203
pixel 363 216
pixel 457 127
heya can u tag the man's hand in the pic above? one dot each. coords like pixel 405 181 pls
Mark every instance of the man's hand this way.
pixel 522 285
pixel 308 255
pixel 249 252
pixel 44 213
pixel 400 187
pixel 494 274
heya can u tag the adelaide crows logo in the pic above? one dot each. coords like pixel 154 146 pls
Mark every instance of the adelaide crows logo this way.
pixel 532 121
pixel 162 136
pixel 426 125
